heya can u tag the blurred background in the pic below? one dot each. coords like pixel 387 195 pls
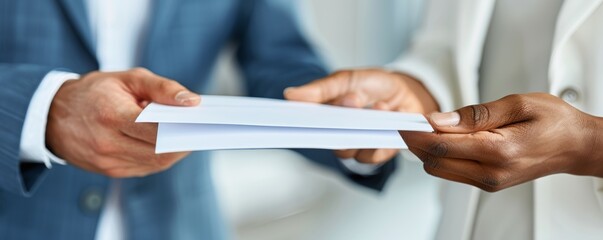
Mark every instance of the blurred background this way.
pixel 276 194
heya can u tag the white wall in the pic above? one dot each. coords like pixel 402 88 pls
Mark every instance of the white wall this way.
pixel 362 32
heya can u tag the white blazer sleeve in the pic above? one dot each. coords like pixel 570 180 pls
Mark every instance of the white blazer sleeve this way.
pixel 430 58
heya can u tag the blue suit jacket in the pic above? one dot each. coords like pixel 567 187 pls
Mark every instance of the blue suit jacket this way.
pixel 184 39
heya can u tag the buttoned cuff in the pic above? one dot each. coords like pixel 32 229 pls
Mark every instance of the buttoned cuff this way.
pixel 33 137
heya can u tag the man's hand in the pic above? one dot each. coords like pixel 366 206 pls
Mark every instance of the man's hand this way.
pixel 516 139
pixel 91 122
pixel 373 88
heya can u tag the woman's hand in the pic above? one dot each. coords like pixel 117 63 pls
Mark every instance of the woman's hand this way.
pixel 514 140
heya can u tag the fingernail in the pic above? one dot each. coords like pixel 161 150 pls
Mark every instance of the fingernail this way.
pixel 186 97
pixel 448 119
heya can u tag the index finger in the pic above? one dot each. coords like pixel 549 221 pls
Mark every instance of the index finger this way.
pixel 149 86
pixel 323 90
pixel 146 132
pixel 481 146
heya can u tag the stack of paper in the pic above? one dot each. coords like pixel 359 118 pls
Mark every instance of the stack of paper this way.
pixel 222 122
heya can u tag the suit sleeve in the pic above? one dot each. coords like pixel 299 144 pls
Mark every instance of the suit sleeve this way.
pixel 19 83
pixel 430 58
pixel 273 55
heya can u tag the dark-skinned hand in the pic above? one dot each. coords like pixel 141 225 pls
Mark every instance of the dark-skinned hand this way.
pixel 511 141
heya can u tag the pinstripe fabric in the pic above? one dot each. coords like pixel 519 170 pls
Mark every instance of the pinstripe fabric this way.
pixel 184 41
pixel 13 107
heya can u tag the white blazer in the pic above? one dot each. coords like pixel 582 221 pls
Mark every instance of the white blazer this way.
pixel 446 54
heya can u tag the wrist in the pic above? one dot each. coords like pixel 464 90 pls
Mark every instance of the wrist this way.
pixel 597 147
pixel 593 153
pixel 35 125
pixel 58 110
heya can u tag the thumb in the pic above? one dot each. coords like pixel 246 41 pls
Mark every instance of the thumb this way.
pixel 161 90
pixel 480 117
pixel 322 90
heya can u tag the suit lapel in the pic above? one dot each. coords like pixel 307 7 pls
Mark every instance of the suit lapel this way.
pixel 473 22
pixel 161 15
pixel 76 12
pixel 572 15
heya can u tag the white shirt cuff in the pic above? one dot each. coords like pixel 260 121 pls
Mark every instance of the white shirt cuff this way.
pixel 359 168
pixel 33 137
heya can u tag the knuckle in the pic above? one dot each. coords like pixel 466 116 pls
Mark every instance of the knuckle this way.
pixel 429 161
pixel 106 117
pixel 479 115
pixel 522 105
pixel 495 180
pixel 432 162
pixel 490 182
pixel 123 115
pixel 516 98
pixel 167 85
pixel 344 76
pixel 439 149
pixel 430 171
pixel 140 71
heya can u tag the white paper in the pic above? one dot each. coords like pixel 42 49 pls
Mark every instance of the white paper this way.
pixel 222 122
pixel 174 137
pixel 279 113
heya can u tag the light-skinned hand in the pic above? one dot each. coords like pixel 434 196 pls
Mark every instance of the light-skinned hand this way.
pixel 91 122
pixel 370 88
